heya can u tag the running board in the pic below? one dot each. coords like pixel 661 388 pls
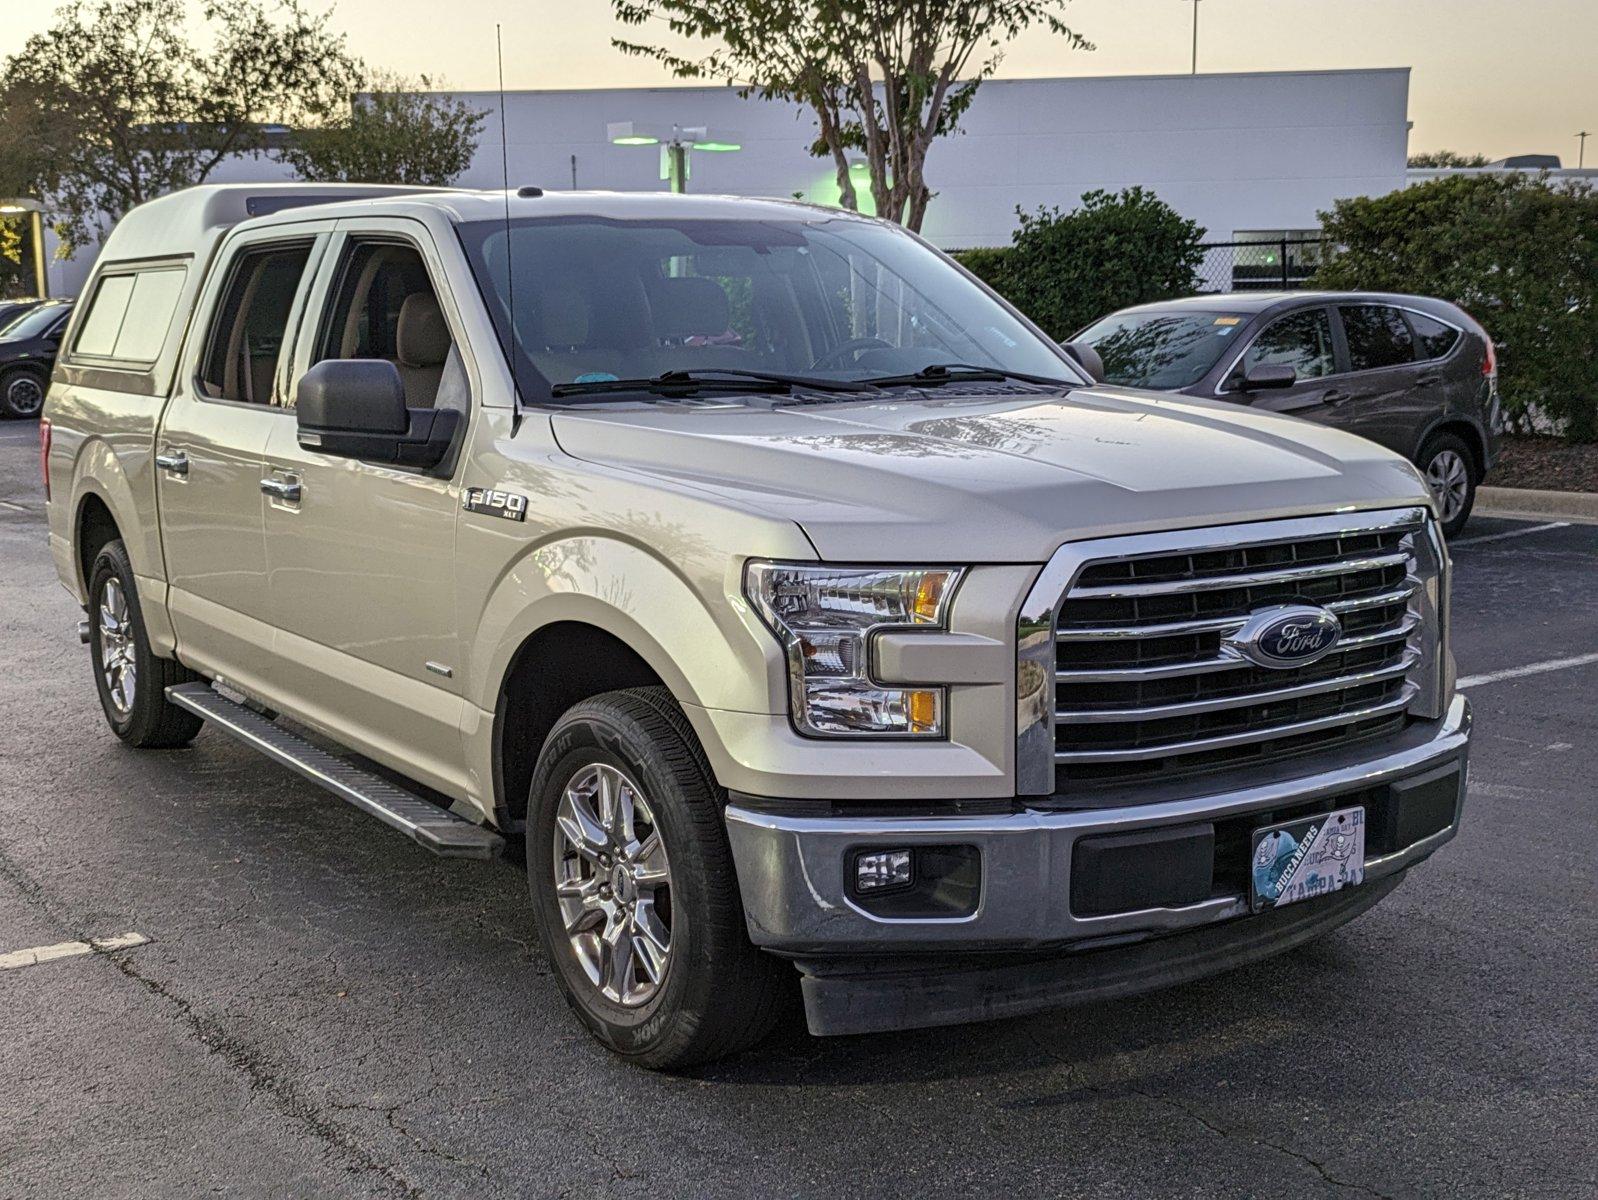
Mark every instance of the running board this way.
pixel 435 828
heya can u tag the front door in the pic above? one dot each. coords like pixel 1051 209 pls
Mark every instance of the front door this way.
pixel 361 555
pixel 1302 340
pixel 210 453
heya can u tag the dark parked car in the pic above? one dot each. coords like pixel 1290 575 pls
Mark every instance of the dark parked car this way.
pixel 28 346
pixel 1415 374
pixel 10 310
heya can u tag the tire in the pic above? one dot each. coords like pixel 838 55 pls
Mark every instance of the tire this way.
pixel 22 393
pixel 144 718
pixel 1448 465
pixel 715 993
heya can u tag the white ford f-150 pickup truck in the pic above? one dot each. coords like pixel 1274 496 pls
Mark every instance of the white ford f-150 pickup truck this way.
pixel 809 613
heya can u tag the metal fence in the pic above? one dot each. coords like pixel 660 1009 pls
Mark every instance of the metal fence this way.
pixel 1258 265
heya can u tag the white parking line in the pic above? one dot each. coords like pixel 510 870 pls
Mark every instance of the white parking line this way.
pixel 1553 664
pixel 1510 533
pixel 43 954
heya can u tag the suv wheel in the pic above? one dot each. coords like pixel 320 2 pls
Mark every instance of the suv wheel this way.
pixel 1450 470
pixel 633 883
pixel 21 393
pixel 132 681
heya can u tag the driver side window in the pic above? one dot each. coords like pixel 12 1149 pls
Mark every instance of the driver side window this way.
pixel 1301 340
pixel 385 307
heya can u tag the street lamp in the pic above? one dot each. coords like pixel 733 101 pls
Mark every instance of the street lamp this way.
pixel 16 206
pixel 674 145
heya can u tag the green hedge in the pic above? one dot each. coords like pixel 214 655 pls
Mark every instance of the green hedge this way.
pixel 1519 255
pixel 1068 269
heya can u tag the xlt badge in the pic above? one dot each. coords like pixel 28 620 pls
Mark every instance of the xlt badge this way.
pixel 494 503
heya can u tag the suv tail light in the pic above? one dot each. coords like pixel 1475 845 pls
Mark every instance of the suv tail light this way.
pixel 44 455
pixel 1489 364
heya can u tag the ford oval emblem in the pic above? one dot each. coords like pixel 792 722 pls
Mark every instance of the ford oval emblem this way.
pixel 1290 635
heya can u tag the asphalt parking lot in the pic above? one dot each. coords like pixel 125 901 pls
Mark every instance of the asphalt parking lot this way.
pixel 323 1009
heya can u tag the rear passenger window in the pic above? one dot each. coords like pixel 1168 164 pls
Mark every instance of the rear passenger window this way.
pixel 1377 336
pixel 251 323
pixel 130 315
pixel 1436 339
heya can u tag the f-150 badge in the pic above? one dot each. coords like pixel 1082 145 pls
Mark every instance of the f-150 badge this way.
pixel 494 503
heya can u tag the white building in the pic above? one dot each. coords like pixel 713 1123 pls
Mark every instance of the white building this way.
pixel 1242 154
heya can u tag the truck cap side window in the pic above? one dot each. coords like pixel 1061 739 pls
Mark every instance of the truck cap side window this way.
pixel 248 332
pixel 386 307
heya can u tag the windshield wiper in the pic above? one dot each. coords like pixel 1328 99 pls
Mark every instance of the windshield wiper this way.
pixel 719 379
pixel 939 374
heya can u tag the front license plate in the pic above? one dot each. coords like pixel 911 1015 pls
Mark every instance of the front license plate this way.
pixel 1308 857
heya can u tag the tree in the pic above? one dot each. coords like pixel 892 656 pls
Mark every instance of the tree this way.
pixel 113 105
pixel 1447 158
pixel 1067 269
pixel 1518 254
pixel 884 78
pixel 395 132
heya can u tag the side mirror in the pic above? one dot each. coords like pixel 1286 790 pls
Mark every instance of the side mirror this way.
pixel 1087 358
pixel 1266 376
pixel 355 408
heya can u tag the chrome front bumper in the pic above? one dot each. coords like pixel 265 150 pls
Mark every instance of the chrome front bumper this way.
pixel 792 863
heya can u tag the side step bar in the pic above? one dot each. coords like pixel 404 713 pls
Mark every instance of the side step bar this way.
pixel 430 826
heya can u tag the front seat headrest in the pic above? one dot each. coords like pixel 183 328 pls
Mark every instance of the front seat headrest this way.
pixel 422 337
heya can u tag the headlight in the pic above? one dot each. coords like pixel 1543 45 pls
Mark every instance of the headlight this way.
pixel 825 616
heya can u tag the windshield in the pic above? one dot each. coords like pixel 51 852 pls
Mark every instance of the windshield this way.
pixel 31 323
pixel 836 299
pixel 1162 349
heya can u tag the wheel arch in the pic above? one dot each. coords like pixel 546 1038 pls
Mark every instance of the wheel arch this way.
pixel 1463 428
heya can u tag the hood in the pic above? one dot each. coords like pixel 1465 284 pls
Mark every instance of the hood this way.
pixel 995 478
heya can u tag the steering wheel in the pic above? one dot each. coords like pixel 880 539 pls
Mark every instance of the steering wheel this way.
pixel 835 357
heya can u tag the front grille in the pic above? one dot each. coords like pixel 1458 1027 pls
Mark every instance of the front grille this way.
pixel 1144 687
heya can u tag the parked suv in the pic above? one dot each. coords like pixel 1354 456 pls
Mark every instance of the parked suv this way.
pixel 1417 375
pixel 802 606
pixel 28 345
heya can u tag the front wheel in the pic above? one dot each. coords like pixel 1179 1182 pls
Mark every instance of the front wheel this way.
pixel 1450 470
pixel 633 882
pixel 131 680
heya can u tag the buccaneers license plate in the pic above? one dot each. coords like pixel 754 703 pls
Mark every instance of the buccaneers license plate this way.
pixel 1309 857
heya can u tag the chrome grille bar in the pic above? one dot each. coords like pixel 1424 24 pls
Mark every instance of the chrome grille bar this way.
pixel 1089 633
pixel 1155 712
pixel 1243 579
pixel 1197 745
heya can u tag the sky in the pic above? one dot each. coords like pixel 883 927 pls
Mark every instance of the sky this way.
pixel 1487 76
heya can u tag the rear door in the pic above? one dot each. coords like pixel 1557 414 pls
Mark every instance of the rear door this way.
pixel 1384 397
pixel 361 555
pixel 210 451
pixel 1304 340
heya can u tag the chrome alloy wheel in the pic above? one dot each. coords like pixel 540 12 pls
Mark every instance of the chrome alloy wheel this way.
pixel 115 635
pixel 613 884
pixel 25 395
pixel 1449 479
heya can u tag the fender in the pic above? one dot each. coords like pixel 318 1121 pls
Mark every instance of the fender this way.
pixel 710 651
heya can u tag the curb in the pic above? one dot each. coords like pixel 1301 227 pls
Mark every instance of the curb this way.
pixel 1530 502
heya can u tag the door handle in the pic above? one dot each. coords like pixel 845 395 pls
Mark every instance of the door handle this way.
pixel 283 489
pixel 1428 380
pixel 1335 396
pixel 173 460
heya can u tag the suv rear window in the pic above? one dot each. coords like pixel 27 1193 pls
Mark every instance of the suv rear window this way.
pixel 1377 336
pixel 1436 339
pixel 130 315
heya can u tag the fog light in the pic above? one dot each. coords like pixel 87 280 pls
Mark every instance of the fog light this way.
pixel 879 870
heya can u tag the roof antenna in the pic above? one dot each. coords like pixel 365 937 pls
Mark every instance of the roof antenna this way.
pixel 510 274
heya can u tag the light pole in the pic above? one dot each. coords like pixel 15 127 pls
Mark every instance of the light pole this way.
pixel 1581 149
pixel 1195 36
pixel 16 206
pixel 674 146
